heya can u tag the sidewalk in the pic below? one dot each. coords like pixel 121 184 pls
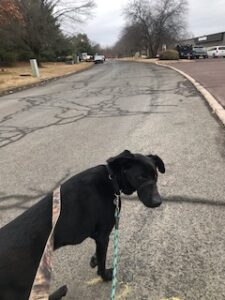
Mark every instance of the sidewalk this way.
pixel 210 73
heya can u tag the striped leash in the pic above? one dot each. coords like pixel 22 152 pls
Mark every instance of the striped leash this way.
pixel 116 246
pixel 41 284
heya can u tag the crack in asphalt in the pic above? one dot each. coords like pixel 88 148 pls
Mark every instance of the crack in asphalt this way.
pixel 70 111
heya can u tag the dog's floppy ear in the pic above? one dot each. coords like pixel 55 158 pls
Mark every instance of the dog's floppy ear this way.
pixel 158 162
pixel 122 158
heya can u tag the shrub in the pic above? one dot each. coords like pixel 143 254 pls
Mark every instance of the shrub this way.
pixel 69 57
pixel 169 55
pixel 24 55
pixel 48 56
pixel 7 59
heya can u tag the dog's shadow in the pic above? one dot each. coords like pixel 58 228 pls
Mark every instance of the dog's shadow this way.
pixel 194 200
pixel 21 201
pixel 183 199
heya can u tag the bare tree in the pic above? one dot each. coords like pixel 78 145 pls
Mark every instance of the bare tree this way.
pixel 70 13
pixel 131 40
pixel 160 21
pixel 76 11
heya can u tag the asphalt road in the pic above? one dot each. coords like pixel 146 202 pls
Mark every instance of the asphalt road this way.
pixel 49 133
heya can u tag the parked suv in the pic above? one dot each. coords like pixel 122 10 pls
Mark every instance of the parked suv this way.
pixel 199 51
pixel 185 51
pixel 191 52
pixel 217 51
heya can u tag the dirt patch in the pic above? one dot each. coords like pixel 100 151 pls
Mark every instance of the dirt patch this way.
pixel 21 75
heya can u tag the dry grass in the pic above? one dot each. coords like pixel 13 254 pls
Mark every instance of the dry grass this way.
pixel 11 77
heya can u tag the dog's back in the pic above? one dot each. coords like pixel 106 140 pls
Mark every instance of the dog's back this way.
pixel 22 242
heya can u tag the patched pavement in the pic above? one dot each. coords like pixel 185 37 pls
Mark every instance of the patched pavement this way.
pixel 210 73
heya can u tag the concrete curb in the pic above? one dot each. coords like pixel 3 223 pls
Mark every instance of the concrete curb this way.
pixel 216 107
pixel 41 82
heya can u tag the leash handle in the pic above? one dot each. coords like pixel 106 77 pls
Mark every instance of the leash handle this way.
pixel 41 284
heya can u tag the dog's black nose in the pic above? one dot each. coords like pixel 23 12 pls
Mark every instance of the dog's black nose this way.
pixel 155 204
pixel 149 195
pixel 156 200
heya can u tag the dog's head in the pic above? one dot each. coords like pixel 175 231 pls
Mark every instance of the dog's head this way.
pixel 137 172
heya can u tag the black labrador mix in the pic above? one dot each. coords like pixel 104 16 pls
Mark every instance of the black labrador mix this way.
pixel 87 210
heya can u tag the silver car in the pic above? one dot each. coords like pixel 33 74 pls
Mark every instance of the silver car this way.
pixel 199 51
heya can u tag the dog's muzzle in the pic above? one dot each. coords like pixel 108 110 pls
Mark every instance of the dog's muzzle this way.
pixel 149 194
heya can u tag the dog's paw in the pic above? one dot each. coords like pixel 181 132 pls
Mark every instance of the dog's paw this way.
pixel 57 295
pixel 93 261
pixel 107 275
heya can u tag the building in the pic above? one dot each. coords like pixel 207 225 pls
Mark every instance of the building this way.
pixel 217 39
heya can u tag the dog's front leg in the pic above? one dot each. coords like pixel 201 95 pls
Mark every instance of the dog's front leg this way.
pixel 93 261
pixel 101 251
pixel 57 295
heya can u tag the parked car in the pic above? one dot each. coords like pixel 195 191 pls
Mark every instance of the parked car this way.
pixel 185 51
pixel 191 52
pixel 199 51
pixel 217 51
pixel 99 58
pixel 61 58
pixel 89 58
pixel 83 56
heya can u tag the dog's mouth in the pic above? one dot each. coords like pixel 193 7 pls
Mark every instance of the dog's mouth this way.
pixel 128 190
pixel 149 195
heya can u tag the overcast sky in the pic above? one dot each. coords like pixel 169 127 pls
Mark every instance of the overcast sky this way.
pixel 205 17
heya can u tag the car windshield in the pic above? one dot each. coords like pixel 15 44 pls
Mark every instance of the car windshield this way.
pixel 198 48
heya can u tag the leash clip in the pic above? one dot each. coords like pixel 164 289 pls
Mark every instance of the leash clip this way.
pixel 117 210
pixel 116 201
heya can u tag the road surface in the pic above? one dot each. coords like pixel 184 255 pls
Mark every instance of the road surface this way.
pixel 49 133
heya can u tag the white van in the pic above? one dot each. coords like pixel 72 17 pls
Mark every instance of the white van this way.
pixel 217 51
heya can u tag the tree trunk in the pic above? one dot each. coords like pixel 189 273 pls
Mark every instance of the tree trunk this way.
pixel 151 50
pixel 37 54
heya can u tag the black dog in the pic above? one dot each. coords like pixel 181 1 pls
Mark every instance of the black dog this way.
pixel 87 210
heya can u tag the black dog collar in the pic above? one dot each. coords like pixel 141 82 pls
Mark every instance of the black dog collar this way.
pixel 114 181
